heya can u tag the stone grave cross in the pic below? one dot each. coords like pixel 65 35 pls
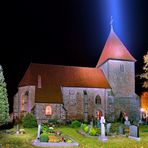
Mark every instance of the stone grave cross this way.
pixel 102 137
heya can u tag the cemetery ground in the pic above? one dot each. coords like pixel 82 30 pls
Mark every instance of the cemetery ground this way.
pixel 12 140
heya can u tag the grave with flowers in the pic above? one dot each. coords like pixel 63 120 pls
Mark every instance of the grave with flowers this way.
pixel 48 136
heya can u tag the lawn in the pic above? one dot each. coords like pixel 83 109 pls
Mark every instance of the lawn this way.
pixel 24 141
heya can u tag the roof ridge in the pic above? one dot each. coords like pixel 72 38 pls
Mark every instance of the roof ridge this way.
pixel 60 65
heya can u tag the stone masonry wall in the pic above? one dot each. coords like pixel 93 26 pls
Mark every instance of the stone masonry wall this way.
pixel 121 77
pixel 130 105
pixel 57 112
pixel 73 101
pixel 26 93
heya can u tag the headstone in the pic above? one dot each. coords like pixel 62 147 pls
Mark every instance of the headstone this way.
pixel 134 132
pixel 92 121
pixel 17 129
pixel 39 130
pixel 108 127
pixel 127 122
pixel 102 137
pixel 121 130
pixel 89 127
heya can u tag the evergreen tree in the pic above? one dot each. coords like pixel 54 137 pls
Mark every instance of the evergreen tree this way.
pixel 145 74
pixel 4 106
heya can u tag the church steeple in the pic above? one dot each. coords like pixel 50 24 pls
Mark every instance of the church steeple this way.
pixel 114 49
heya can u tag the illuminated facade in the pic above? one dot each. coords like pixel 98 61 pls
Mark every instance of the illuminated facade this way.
pixel 68 92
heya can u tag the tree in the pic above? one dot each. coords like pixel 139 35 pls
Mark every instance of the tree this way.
pixel 144 104
pixel 145 74
pixel 4 106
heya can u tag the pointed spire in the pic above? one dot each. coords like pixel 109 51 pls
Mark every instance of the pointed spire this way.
pixel 111 23
pixel 114 49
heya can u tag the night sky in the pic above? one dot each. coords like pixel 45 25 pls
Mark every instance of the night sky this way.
pixel 68 32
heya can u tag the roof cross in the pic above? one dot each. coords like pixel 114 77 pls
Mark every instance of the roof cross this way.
pixel 111 22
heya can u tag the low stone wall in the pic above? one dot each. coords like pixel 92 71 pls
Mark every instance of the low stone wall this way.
pixel 51 144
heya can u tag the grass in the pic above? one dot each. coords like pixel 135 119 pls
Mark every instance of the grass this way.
pixel 24 140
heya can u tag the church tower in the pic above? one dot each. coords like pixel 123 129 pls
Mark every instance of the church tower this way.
pixel 118 66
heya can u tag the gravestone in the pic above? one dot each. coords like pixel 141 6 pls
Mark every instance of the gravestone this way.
pixel 121 130
pixel 102 137
pixel 134 132
pixel 91 123
pixel 89 127
pixel 39 130
pixel 108 128
pixel 127 122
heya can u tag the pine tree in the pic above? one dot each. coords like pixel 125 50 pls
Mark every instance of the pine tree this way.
pixel 145 74
pixel 4 106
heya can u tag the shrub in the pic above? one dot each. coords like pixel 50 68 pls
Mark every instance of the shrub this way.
pixel 44 128
pixel 51 129
pixel 44 137
pixel 86 129
pixel 83 126
pixel 114 127
pixel 75 124
pixel 98 131
pixel 92 132
pixel 22 131
pixel 120 118
pixel 29 121
pixel 52 121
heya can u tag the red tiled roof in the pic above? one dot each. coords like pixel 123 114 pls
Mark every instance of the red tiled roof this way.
pixel 55 76
pixel 114 49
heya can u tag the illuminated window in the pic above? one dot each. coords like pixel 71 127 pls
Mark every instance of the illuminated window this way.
pixel 48 110
pixel 98 99
pixel 23 103
pixel 39 81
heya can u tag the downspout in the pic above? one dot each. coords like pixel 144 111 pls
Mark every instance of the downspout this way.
pixel 65 111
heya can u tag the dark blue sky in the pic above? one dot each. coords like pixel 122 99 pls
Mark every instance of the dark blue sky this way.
pixel 68 32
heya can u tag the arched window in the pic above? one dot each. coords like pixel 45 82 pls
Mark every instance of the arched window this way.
pixel 121 68
pixel 98 99
pixel 23 103
pixel 48 110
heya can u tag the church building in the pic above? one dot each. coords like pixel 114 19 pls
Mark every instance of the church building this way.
pixel 70 92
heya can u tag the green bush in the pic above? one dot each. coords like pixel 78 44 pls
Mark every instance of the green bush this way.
pixel 92 132
pixel 29 121
pixel 98 131
pixel 83 126
pixel 44 137
pixel 86 129
pixel 52 121
pixel 115 127
pixel 44 128
pixel 120 118
pixel 75 124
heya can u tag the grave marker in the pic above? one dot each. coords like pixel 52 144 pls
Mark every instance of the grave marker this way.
pixel 134 132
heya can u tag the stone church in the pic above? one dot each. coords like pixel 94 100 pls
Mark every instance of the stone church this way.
pixel 70 92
